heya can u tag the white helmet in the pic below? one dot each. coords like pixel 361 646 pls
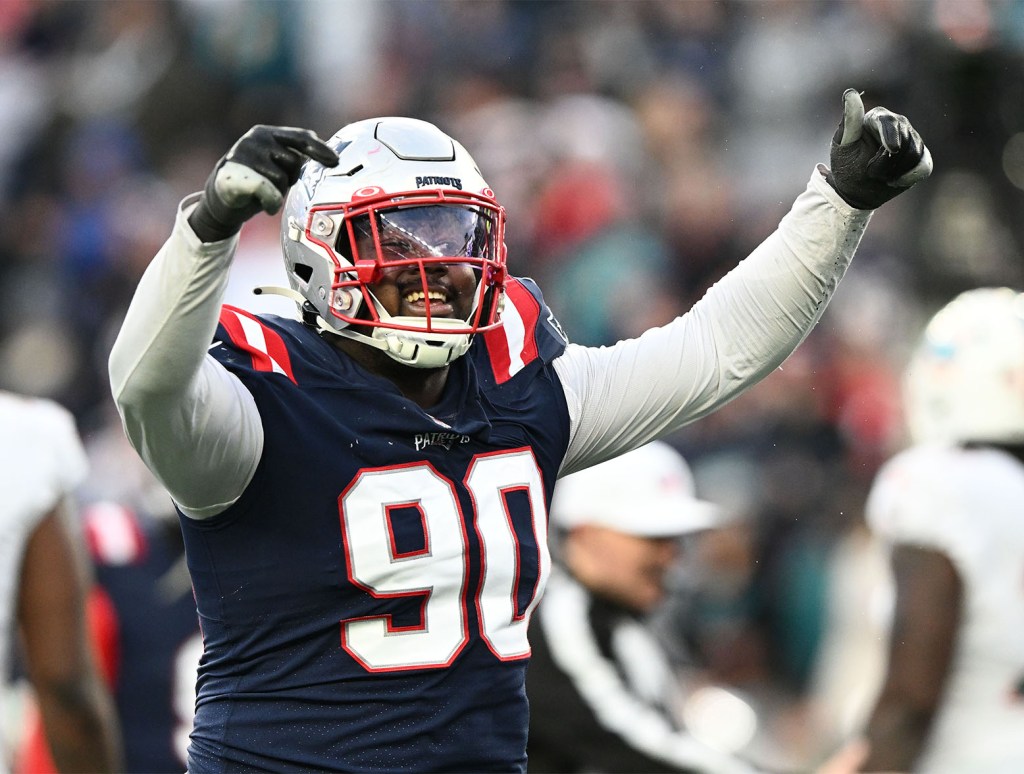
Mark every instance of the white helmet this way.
pixel 397 176
pixel 965 381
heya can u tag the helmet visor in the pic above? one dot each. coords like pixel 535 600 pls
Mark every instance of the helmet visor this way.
pixel 432 232
pixel 414 237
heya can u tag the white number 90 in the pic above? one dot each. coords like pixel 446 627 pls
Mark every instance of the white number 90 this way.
pixel 438 572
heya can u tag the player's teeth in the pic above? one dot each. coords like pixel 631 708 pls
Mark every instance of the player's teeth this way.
pixel 417 295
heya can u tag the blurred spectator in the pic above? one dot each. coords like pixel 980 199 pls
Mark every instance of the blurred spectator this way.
pixel 45 581
pixel 603 693
pixel 598 259
pixel 781 442
pixel 686 192
pixel 605 268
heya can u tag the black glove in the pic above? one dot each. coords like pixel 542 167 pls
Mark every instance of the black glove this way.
pixel 875 156
pixel 255 175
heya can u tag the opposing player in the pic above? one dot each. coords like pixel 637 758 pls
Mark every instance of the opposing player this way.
pixel 145 633
pixel 951 506
pixel 44 582
pixel 364 490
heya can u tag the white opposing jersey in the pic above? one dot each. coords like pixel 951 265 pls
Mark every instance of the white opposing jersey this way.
pixel 41 461
pixel 968 504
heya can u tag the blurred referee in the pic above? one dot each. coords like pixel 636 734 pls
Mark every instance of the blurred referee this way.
pixel 603 695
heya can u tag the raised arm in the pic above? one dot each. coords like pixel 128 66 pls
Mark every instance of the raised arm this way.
pixel 193 423
pixel 747 324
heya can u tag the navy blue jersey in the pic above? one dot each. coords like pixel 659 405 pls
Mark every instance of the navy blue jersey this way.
pixel 156 642
pixel 364 605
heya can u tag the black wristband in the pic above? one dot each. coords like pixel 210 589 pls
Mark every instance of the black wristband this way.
pixel 207 227
pixel 212 220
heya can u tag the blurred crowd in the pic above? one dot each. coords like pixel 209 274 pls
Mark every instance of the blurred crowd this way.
pixel 641 148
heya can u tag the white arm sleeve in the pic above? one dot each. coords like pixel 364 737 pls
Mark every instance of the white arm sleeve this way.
pixel 193 423
pixel 623 396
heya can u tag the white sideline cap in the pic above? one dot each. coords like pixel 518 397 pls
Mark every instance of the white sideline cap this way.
pixel 648 492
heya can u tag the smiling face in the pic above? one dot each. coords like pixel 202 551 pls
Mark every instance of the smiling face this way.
pixel 450 289
pixel 419 272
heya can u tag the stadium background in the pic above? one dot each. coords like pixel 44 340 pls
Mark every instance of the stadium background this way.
pixel 641 148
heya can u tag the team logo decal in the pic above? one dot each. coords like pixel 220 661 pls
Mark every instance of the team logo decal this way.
pixel 445 439
pixel 422 181
pixel 313 172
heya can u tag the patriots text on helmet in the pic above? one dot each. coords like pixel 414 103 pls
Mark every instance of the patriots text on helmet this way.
pixel 423 181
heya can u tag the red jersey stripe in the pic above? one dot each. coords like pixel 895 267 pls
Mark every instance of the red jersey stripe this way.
pixel 265 345
pixel 113 534
pixel 514 345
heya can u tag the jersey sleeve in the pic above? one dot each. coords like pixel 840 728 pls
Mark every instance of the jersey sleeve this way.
pixel 911 503
pixel 192 422
pixel 746 325
pixel 66 465
pixel 46 462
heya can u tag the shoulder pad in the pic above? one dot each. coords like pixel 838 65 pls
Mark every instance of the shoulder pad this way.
pixel 529 331
pixel 114 534
pixel 247 333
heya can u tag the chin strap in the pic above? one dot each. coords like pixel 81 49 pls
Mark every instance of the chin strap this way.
pixel 309 314
pixel 274 290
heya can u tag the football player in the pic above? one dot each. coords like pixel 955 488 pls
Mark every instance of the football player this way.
pixel 141 612
pixel 363 490
pixel 44 583
pixel 951 509
pixel 146 637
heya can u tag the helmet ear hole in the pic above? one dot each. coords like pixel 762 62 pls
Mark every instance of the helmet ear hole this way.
pixel 303 271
